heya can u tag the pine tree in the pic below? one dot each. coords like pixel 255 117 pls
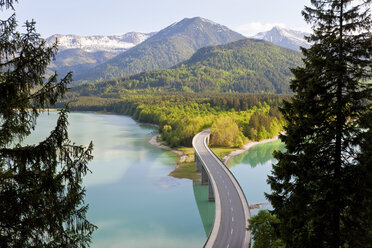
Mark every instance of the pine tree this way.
pixel 41 197
pixel 321 185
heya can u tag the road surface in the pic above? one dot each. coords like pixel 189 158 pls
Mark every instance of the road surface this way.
pixel 232 212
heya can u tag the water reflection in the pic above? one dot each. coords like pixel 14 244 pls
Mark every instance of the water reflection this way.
pixel 259 154
pixel 131 199
pixel 251 169
pixel 205 207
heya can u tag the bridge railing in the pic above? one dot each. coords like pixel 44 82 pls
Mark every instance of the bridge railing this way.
pixel 217 217
pixel 242 197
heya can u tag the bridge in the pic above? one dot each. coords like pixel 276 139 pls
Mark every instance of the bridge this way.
pixel 232 210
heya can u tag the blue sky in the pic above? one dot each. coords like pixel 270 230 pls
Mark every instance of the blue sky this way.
pixel 88 17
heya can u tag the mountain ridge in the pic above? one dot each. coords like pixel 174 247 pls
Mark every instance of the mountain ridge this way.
pixel 287 38
pixel 94 43
pixel 248 65
pixel 78 53
pixel 166 48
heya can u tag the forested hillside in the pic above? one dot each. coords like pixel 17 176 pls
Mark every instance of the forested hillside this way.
pixel 166 48
pixel 247 65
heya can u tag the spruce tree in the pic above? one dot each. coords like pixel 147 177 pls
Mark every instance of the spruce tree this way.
pixel 321 185
pixel 41 197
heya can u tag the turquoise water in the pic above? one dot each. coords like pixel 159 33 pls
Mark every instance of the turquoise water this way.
pixel 251 169
pixel 131 198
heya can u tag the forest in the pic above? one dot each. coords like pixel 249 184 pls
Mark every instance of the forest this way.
pixel 234 118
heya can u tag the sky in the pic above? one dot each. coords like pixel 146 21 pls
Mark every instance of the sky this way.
pixel 111 17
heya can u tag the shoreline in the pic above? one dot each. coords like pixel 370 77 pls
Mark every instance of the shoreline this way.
pixel 182 157
pixel 246 147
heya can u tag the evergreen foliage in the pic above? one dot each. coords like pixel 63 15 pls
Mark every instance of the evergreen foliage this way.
pixel 321 186
pixel 41 197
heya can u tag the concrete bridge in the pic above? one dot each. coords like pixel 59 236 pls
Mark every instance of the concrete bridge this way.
pixel 232 210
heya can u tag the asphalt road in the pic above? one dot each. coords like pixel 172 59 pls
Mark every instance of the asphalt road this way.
pixel 232 231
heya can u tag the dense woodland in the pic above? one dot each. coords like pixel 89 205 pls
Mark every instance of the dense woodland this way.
pixel 233 118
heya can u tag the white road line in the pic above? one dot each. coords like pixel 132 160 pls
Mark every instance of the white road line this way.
pixel 228 245
pixel 232 219
pixel 232 231
pixel 232 210
pixel 230 200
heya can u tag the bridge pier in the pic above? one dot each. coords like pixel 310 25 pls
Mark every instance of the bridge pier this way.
pixel 210 192
pixel 198 163
pixel 232 214
pixel 204 175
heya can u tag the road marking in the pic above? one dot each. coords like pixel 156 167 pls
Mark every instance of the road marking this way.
pixel 232 231
pixel 228 245
pixel 232 219
pixel 230 200
pixel 232 210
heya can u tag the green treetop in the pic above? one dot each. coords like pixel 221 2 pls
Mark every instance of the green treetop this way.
pixel 321 186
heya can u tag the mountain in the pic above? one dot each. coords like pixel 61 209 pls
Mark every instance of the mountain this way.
pixel 77 60
pixel 79 53
pixel 166 48
pixel 288 38
pixel 99 43
pixel 248 65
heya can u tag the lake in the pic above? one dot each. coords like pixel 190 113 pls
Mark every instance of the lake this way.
pixel 132 199
pixel 251 169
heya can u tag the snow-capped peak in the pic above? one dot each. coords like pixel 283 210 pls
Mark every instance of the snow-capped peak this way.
pixel 285 37
pixel 94 43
